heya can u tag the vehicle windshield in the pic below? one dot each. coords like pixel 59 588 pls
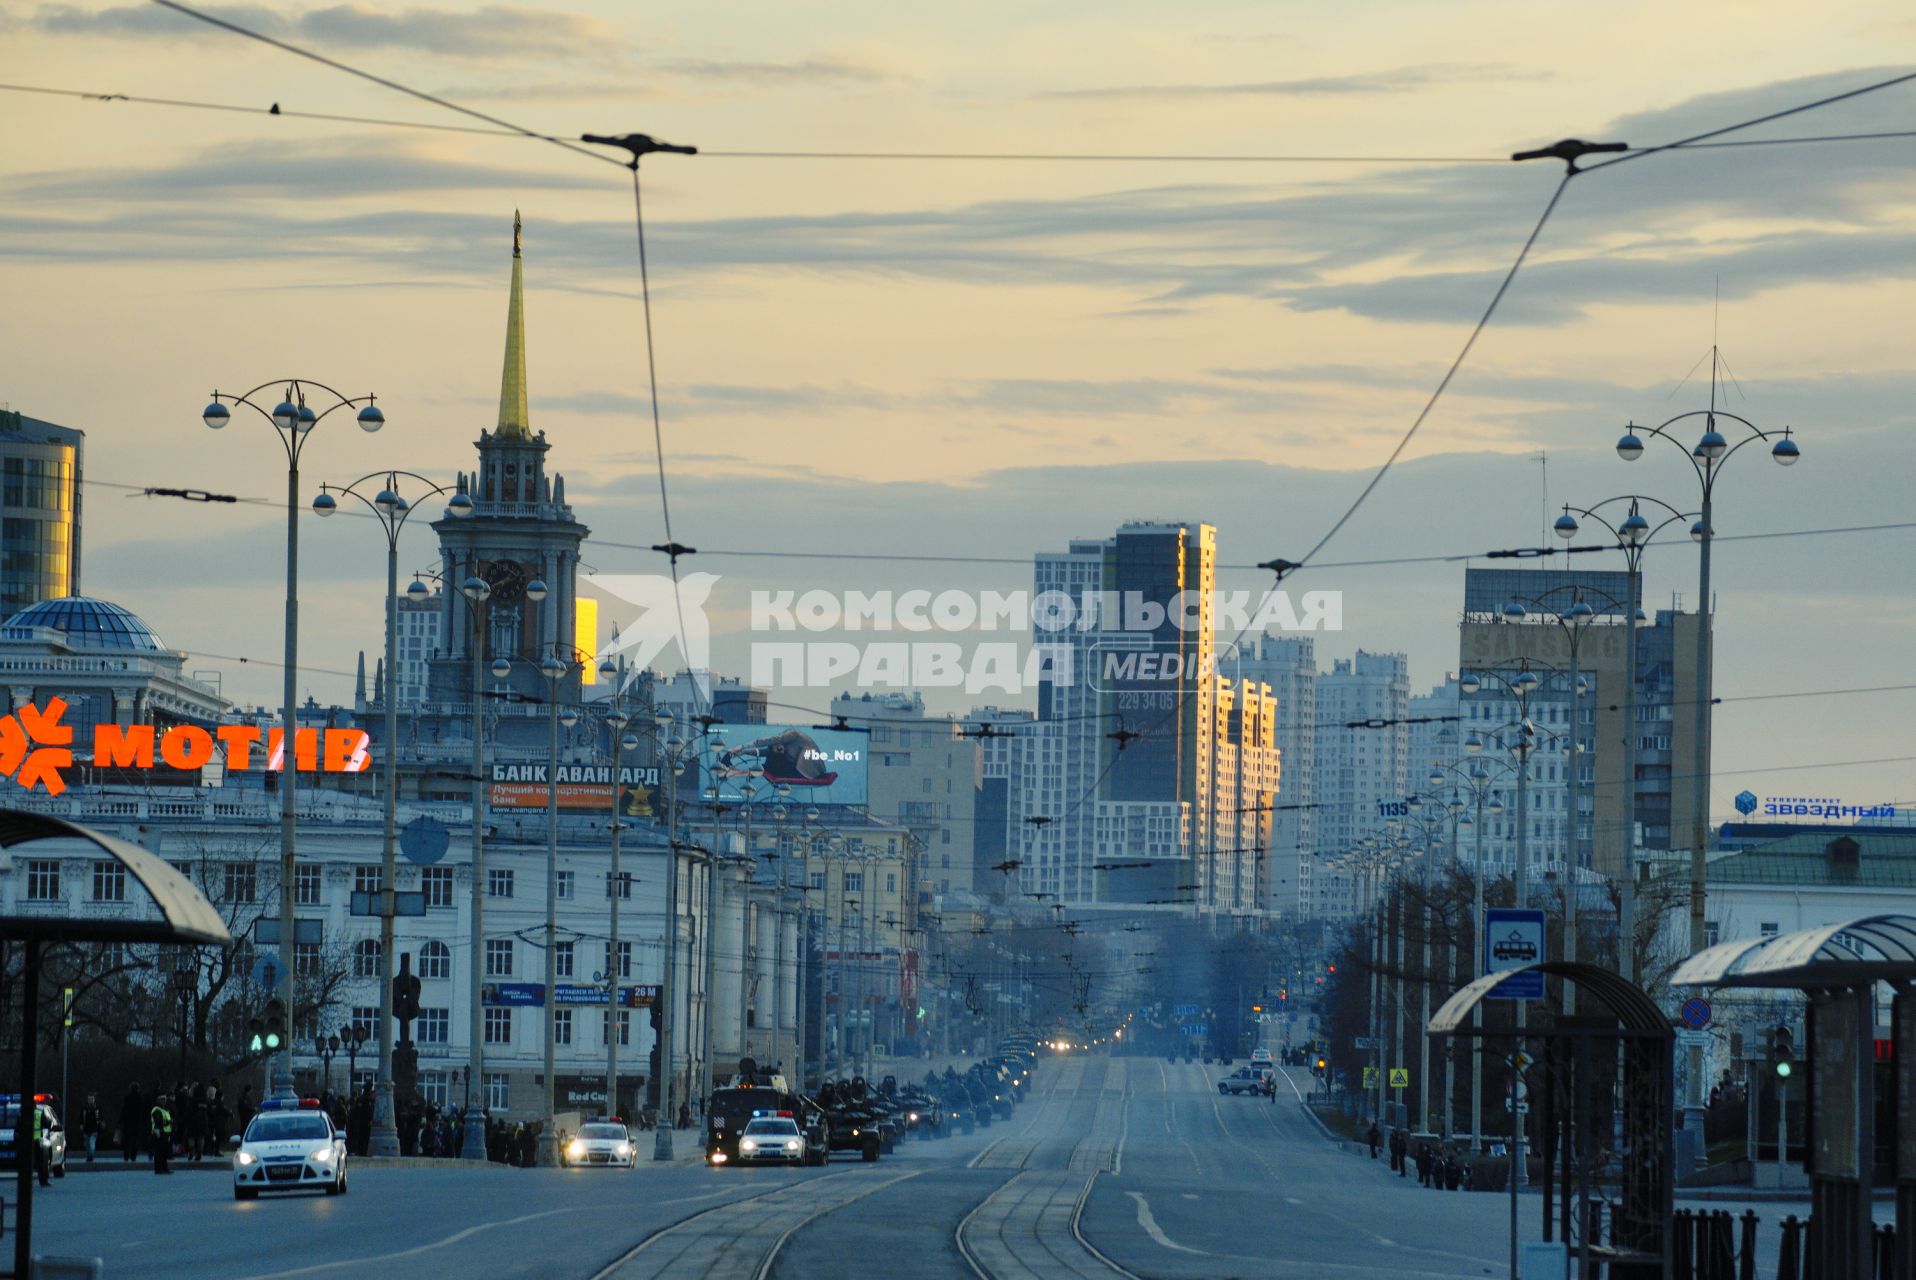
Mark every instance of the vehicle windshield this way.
pixel 760 1128
pixel 737 1105
pixel 288 1126
pixel 613 1132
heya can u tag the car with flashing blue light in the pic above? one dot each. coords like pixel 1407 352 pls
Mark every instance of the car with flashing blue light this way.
pixel 290 1145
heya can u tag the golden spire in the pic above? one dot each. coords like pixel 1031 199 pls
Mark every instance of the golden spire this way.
pixel 513 422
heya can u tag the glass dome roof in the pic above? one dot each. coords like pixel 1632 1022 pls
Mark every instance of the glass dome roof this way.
pixel 87 624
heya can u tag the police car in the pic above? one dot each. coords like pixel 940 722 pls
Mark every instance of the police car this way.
pixel 601 1142
pixel 53 1138
pixel 291 1145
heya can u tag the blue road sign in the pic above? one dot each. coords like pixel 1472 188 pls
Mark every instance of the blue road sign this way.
pixel 424 840
pixel 1184 1010
pixel 267 973
pixel 1513 939
pixel 1696 1013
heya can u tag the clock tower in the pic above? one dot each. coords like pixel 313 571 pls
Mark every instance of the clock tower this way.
pixel 521 532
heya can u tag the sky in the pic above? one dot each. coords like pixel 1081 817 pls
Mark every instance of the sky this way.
pixel 988 358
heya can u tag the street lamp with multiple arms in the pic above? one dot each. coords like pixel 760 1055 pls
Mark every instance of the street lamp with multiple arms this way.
pixel 391 509
pixel 293 421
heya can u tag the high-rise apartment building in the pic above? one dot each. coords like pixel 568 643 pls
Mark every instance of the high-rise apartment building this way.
pixel 1141 753
pixel 1288 665
pixel 1576 799
pixel 40 466
pixel 1359 766
pixel 418 628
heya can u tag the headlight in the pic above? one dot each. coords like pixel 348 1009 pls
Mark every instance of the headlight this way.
pixel 246 1158
pixel 747 1145
pixel 324 1155
pixel 914 1117
pixel 575 1148
pixel 623 1149
pixel 792 1145
pixel 718 1157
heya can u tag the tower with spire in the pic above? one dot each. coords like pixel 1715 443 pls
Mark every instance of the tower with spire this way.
pixel 521 531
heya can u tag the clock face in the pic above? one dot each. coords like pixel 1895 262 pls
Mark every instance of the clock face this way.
pixel 508 581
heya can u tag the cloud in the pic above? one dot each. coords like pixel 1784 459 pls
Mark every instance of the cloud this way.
pixel 341 167
pixel 488 33
pixel 1393 80
pixel 775 75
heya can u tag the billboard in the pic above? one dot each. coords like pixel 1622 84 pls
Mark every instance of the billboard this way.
pixel 581 786
pixel 821 766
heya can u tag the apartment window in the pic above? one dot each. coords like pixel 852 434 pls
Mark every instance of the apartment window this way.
pixel 366 879
pixel 43 880
pixel 306 959
pixel 562 885
pixel 854 882
pixel 562 959
pixel 498 957
pixel 367 1016
pixel 436 884
pixel 433 1027
pixel 625 959
pixel 891 882
pixel 562 1026
pixel 1711 933
pixel 241 882
pixel 1769 928
pixel 432 1087
pixel 817 880
pixel 498 1026
pixel 435 961
pixel 498 1092
pixel 624 885
pixel 366 958
pixel 499 882
pixel 306 885
pixel 625 1027
pixel 109 882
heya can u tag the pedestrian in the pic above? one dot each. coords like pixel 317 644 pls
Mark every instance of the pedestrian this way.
pixel 1453 1172
pixel 160 1125
pixel 132 1123
pixel 219 1119
pixel 91 1124
pixel 1400 1147
pixel 1374 1139
pixel 193 1105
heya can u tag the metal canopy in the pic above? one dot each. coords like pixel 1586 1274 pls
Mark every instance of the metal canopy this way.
pixel 1636 1013
pixel 185 914
pixel 1879 948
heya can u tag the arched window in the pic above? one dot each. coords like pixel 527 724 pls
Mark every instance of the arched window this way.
pixel 366 958
pixel 435 961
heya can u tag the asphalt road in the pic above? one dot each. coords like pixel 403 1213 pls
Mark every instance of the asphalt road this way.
pixel 1112 1167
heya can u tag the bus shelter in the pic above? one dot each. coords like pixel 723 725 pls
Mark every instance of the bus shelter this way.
pixel 1606 1082
pixel 181 916
pixel 1841 968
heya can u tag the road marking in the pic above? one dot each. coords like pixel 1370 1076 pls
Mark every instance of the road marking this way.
pixel 1189 1196
pixel 1150 1224
pixel 417 1249
pixel 1124 1117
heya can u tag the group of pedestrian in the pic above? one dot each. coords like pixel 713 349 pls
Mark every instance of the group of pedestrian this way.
pixel 514 1144
pixel 1437 1165
pixel 1440 1167
pixel 189 1121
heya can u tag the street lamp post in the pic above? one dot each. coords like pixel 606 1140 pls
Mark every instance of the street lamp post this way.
pixel 1633 535
pixel 477 591
pixel 1478 782
pixel 1707 457
pixel 292 420
pixel 391 510
pixel 672 764
pixel 555 671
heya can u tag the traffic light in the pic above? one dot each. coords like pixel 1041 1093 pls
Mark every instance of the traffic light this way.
pixel 1782 1050
pixel 275 1019
pixel 255 1035
pixel 1319 1065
